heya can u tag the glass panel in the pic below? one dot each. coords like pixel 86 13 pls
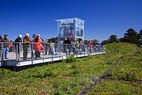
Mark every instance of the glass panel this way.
pixel 79 32
pixel 66 32
pixel 79 23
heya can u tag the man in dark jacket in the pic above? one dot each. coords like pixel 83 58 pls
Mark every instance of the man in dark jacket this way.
pixel 65 45
pixel 18 45
pixel 69 45
pixel 6 45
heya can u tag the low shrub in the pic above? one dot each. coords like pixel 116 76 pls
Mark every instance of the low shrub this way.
pixel 42 73
pixel 70 59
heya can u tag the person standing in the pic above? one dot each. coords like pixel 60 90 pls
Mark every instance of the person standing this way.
pixel 51 48
pixel 32 43
pixel 37 46
pixel 40 37
pixel 33 37
pixel 18 45
pixel 10 46
pixel 65 45
pixel 6 45
pixel 56 48
pixel 99 46
pixel 68 46
pixel 80 46
pixel 90 45
pixel 0 45
pixel 26 43
pixel 77 46
pixel 0 38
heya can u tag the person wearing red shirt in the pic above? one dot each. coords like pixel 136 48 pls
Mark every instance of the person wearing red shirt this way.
pixel 37 46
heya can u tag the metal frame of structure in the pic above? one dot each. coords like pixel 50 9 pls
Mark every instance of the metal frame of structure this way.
pixel 71 27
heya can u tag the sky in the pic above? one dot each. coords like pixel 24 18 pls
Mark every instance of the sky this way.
pixel 102 17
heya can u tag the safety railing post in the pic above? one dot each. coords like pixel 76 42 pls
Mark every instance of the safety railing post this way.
pixel 60 50
pixel 93 49
pixel 66 50
pixel 83 50
pixel 43 51
pixel 90 50
pixel 100 48
pixel 16 52
pixel 19 55
pixel 52 55
pixel 2 52
pixel 32 51
pixel 76 51
pixel 97 49
pixel 104 48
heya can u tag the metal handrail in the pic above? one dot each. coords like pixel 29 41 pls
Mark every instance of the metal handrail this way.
pixel 66 50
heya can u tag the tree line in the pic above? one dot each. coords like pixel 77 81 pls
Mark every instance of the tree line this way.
pixel 131 36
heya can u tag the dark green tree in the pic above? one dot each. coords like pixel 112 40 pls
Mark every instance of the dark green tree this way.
pixel 104 42
pixel 131 36
pixel 120 40
pixel 112 38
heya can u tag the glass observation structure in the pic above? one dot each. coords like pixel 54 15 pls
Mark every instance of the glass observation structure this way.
pixel 72 27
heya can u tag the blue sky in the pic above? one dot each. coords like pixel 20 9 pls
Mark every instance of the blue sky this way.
pixel 103 17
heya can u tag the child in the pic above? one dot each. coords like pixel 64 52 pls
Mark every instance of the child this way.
pixel 51 48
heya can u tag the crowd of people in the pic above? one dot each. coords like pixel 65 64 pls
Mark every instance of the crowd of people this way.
pixel 25 42
pixel 78 47
pixel 35 46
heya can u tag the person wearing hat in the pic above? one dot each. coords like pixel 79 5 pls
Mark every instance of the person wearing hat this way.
pixel 6 45
pixel 18 45
pixel 40 37
pixel 26 42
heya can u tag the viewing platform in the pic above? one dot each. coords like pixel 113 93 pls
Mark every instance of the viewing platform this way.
pixel 15 56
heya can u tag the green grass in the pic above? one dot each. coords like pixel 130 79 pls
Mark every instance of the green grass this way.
pixel 116 87
pixel 73 75
pixel 126 77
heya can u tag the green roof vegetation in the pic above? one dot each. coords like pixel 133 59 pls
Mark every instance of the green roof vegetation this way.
pixel 72 76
